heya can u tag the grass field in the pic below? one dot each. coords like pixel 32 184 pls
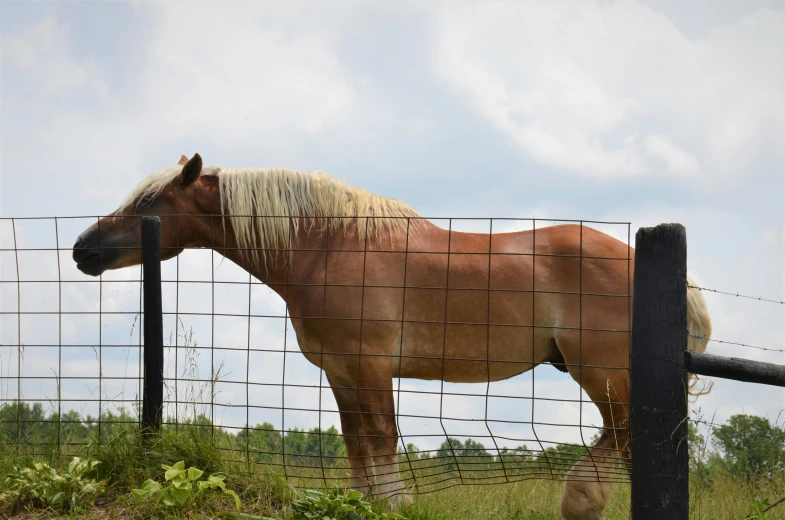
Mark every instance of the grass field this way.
pixel 129 459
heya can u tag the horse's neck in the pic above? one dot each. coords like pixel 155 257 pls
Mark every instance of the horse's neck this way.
pixel 270 267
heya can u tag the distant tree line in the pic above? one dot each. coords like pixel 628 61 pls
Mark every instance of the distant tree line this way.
pixel 30 426
pixel 747 445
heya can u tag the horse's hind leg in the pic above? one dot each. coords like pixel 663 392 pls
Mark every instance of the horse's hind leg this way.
pixel 588 490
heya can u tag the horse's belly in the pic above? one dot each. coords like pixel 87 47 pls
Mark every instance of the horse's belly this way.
pixel 470 353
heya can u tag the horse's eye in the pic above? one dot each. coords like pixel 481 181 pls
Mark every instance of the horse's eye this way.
pixel 146 201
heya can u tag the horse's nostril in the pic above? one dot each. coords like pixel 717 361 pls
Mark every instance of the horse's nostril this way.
pixel 82 251
pixel 81 241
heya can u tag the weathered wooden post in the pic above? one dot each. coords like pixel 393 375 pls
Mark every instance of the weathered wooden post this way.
pixel 658 399
pixel 153 390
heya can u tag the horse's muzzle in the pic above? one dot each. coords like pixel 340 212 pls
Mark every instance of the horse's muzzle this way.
pixel 94 255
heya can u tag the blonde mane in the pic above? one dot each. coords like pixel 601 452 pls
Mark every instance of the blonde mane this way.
pixel 264 206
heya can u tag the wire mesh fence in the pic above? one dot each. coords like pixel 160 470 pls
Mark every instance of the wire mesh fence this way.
pixel 264 374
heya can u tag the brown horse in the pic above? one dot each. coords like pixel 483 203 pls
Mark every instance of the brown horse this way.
pixel 375 292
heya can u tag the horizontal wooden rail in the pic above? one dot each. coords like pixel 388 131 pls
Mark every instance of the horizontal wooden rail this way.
pixel 735 368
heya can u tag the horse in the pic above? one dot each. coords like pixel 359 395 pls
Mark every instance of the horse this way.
pixel 376 292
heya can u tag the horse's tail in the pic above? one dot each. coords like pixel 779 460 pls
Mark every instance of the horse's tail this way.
pixel 699 330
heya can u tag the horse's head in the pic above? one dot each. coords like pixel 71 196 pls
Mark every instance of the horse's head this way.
pixel 176 195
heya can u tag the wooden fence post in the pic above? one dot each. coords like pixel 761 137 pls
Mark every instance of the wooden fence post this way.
pixel 153 390
pixel 658 397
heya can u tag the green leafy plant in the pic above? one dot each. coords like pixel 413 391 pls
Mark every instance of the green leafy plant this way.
pixel 336 505
pixel 183 486
pixel 42 486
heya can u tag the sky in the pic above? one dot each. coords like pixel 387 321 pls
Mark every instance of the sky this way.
pixel 639 112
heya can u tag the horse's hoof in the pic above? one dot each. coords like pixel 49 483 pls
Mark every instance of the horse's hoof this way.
pixel 400 500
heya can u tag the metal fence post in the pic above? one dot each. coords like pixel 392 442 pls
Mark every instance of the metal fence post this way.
pixel 153 396
pixel 658 398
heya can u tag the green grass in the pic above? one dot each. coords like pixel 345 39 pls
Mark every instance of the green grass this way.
pixel 725 497
pixel 129 458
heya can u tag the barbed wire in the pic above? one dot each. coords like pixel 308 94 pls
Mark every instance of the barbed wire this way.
pixel 699 418
pixel 738 295
pixel 710 424
pixel 736 344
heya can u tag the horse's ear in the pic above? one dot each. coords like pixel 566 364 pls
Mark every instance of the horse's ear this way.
pixel 191 170
pixel 183 160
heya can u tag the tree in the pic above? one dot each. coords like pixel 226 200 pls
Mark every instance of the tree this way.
pixel 262 441
pixel 514 458
pixel 472 448
pixel 450 449
pixel 314 447
pixel 752 446
pixel 455 451
pixel 26 424
pixel 559 459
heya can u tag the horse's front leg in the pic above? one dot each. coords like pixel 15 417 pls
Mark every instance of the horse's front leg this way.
pixel 380 431
pixel 365 400
pixel 349 408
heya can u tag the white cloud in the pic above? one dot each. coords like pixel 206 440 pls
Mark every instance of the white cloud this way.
pixel 221 72
pixel 676 160
pixel 42 54
pixel 618 90
pixel 230 78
